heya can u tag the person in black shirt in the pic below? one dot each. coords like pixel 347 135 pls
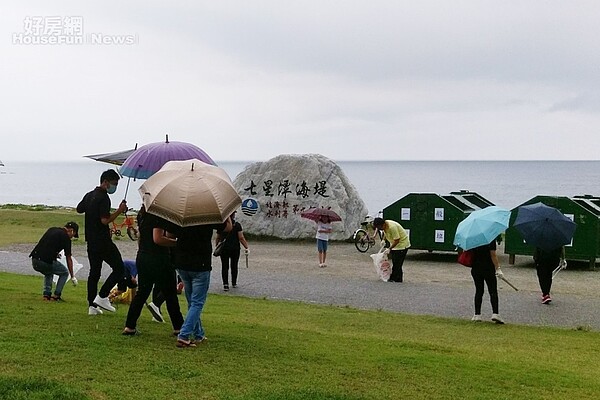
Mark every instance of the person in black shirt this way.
pixel 154 267
pixel 484 270
pixel 545 263
pixel 45 254
pixel 100 247
pixel 230 256
pixel 192 258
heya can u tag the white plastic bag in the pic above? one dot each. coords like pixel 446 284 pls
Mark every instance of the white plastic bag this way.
pixel 76 266
pixel 383 266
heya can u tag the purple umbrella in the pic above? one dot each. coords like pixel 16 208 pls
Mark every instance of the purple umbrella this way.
pixel 148 159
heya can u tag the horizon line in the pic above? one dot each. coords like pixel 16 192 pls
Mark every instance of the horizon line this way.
pixel 339 160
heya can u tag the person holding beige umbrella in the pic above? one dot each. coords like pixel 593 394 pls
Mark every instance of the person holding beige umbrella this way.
pixel 154 268
pixel 198 198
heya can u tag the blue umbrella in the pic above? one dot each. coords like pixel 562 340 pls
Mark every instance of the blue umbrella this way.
pixel 543 226
pixel 481 227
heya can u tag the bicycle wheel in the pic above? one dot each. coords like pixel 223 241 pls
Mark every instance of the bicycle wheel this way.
pixel 361 240
pixel 132 232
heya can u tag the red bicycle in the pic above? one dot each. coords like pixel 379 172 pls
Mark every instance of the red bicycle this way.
pixel 128 224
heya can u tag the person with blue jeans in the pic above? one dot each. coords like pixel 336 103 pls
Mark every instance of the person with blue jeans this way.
pixel 323 231
pixel 192 258
pixel 45 254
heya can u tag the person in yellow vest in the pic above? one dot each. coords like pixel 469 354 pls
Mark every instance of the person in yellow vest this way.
pixel 399 244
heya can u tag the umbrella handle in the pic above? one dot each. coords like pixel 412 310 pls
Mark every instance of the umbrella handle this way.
pixel 556 271
pixel 509 284
pixel 127 188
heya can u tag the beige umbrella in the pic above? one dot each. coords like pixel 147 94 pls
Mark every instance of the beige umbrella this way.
pixel 189 193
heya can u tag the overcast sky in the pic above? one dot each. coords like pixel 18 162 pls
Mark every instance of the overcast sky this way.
pixel 352 80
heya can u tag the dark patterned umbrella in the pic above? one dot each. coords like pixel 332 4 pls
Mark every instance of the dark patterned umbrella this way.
pixel 543 226
pixel 117 158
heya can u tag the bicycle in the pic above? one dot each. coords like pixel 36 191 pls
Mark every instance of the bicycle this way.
pixel 364 237
pixel 130 226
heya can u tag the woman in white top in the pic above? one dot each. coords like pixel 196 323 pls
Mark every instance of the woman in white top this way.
pixel 323 231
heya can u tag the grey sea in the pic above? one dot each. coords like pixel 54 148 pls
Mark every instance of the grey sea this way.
pixel 379 183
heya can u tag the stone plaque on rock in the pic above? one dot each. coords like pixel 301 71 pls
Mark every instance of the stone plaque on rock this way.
pixel 275 192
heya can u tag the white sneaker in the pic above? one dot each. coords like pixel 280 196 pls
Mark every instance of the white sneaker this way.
pixel 496 318
pixel 476 318
pixel 104 302
pixel 155 311
pixel 94 311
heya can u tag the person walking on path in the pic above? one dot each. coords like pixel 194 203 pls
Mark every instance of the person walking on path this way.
pixel 322 236
pixel 545 263
pixel 100 247
pixel 230 256
pixel 484 270
pixel 192 258
pixel 45 254
pixel 399 243
pixel 154 267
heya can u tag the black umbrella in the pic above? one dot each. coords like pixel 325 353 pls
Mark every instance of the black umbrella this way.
pixel 543 226
pixel 117 158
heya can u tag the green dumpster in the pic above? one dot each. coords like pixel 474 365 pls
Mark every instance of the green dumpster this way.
pixel 583 210
pixel 431 219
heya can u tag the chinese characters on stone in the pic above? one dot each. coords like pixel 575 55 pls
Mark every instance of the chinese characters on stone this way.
pixel 283 191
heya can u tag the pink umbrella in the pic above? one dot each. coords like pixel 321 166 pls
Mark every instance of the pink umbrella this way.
pixel 316 213
pixel 148 159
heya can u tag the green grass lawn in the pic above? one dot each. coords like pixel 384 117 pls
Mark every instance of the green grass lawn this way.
pixel 262 349
pixel 26 224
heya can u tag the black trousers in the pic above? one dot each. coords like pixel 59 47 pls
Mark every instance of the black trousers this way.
pixel 158 298
pixel 397 257
pixel 155 270
pixel 544 273
pixel 487 277
pixel 230 259
pixel 111 255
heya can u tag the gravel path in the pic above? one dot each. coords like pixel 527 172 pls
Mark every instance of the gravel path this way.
pixel 434 283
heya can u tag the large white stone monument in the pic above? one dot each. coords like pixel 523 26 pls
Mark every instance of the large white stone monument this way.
pixel 275 192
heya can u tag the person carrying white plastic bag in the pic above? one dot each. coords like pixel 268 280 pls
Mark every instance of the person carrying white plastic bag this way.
pixel 76 267
pixel 382 264
pixel 44 258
